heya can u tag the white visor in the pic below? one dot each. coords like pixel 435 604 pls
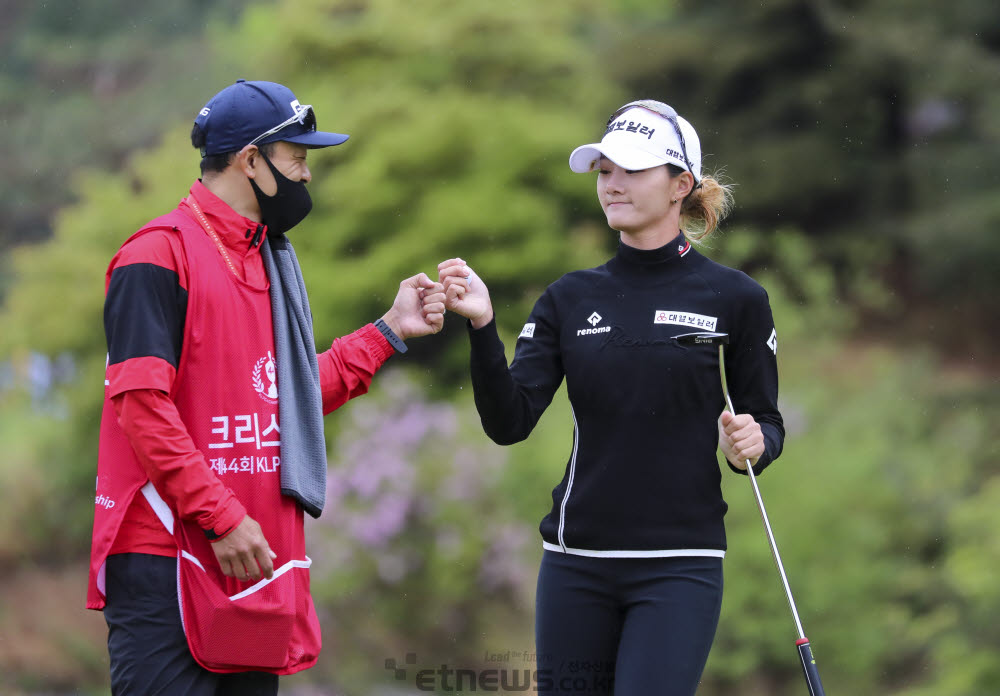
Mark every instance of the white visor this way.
pixel 641 139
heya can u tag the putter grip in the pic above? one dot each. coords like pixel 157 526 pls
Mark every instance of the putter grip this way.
pixel 809 667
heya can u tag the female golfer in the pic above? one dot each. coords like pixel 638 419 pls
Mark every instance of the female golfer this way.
pixel 630 584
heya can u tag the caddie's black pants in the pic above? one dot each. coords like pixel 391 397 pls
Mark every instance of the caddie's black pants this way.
pixel 625 626
pixel 149 653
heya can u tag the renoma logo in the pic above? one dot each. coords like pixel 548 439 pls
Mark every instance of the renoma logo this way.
pixel 574 676
pixel 594 319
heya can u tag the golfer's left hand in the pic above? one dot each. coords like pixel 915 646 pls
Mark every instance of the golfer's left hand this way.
pixel 418 309
pixel 740 439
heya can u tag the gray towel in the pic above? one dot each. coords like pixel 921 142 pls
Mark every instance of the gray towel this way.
pixel 300 402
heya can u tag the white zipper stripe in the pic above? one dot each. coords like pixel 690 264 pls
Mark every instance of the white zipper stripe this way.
pixel 638 553
pixel 180 593
pixel 569 483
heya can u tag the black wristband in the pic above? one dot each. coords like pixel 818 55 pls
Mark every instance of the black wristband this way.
pixel 212 536
pixel 395 341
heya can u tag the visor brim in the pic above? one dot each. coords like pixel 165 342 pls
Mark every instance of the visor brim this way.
pixel 316 139
pixel 586 158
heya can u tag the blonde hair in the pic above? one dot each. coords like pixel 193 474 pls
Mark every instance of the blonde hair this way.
pixel 705 207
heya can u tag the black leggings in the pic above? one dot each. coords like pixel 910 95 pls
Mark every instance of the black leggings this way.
pixel 625 626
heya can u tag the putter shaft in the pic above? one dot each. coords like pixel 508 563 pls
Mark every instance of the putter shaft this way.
pixel 763 512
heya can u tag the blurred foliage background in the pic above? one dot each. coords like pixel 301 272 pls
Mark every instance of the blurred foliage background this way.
pixel 864 141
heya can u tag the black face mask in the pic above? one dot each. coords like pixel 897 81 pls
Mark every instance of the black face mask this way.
pixel 287 207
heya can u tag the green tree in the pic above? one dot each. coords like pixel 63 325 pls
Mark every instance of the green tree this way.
pixel 82 85
pixel 869 125
pixel 462 117
pixel 461 124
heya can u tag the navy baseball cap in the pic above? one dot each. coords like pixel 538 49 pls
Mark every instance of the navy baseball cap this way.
pixel 256 113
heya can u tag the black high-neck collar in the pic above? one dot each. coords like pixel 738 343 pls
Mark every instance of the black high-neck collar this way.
pixel 669 252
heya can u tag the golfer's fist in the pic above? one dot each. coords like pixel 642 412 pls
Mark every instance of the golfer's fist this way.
pixel 740 439
pixel 465 292
pixel 244 553
pixel 418 309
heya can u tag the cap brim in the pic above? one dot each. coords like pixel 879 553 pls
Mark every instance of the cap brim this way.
pixel 317 139
pixel 586 158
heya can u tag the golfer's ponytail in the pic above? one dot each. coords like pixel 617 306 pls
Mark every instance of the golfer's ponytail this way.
pixel 705 207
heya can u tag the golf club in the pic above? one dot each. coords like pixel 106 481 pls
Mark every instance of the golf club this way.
pixel 805 651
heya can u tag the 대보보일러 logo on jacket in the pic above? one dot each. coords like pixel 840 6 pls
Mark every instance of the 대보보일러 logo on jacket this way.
pixel 594 319
pixel 680 318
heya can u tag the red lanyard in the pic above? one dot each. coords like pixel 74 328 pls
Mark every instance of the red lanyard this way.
pixel 211 233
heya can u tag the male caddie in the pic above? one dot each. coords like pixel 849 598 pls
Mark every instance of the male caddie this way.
pixel 211 444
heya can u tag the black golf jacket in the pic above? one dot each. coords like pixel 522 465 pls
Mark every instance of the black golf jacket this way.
pixel 643 477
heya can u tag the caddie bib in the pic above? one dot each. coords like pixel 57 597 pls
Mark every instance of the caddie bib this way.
pixel 226 393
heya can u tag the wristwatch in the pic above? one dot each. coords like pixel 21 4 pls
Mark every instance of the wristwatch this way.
pixel 395 341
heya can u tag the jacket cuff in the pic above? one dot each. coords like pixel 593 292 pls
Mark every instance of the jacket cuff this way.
pixel 485 337
pixel 758 468
pixel 377 344
pixel 228 516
